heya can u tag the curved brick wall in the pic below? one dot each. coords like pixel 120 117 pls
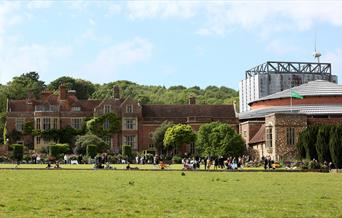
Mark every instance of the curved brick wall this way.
pixel 308 100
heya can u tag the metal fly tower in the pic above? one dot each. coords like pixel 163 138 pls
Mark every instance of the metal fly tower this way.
pixel 275 76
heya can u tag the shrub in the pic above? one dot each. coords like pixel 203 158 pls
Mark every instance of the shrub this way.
pixel 18 151
pixel 56 150
pixel 27 158
pixel 176 159
pixel 91 150
pixel 113 159
pixel 3 159
pixel 126 151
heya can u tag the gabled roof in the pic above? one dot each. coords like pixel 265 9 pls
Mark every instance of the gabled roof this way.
pixel 313 88
pixel 188 110
pixel 259 136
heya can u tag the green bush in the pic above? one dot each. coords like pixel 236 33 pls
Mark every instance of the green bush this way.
pixel 3 159
pixel 18 151
pixel 176 159
pixel 91 151
pixel 113 159
pixel 126 151
pixel 56 150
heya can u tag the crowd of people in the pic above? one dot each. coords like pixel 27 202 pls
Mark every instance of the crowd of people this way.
pixel 230 163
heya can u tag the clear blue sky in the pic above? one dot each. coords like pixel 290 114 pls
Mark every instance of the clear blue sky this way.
pixel 164 42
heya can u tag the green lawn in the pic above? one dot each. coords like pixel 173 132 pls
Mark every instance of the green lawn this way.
pixel 101 193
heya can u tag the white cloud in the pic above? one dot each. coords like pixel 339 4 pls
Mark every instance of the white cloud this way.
pixel 78 5
pixel 109 60
pixel 114 9
pixel 163 9
pixel 335 58
pixel 222 17
pixel 39 4
pixel 8 15
pixel 269 17
pixel 34 57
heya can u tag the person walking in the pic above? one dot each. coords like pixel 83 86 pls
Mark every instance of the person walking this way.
pixel 205 161
pixel 265 163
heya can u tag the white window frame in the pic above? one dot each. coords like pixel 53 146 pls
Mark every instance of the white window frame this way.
pixel 46 123
pixel 55 123
pixel 76 108
pixel 130 123
pixel 107 108
pixel 19 124
pixel 131 140
pixel 37 123
pixel 76 122
pixel 129 108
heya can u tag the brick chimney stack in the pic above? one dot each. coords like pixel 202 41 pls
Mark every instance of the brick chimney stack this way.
pixel 116 92
pixel 192 99
pixel 62 92
pixel 45 94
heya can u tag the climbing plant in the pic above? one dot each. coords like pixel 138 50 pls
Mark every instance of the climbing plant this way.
pixel 97 124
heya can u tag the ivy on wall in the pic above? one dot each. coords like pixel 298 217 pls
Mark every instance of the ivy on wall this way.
pixel 97 127
pixel 67 134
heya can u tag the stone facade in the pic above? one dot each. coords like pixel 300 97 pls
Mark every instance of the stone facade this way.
pixel 285 128
pixel 248 129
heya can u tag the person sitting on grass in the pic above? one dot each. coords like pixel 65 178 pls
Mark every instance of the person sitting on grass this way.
pixel 57 165
pixel 162 165
pixel 108 166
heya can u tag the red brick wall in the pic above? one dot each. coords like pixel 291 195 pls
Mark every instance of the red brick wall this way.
pixel 306 100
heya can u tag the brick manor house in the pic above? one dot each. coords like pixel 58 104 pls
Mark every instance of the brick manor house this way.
pixel 56 111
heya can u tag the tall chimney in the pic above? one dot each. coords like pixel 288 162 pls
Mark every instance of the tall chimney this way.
pixel 192 99
pixel 45 94
pixel 116 92
pixel 62 92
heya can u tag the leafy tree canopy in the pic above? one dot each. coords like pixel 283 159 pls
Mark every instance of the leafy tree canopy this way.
pixel 177 135
pixel 158 135
pixel 84 89
pixel 90 139
pixel 217 138
pixel 21 85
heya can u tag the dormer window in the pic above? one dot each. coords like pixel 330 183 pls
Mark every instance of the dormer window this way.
pixel 107 109
pixel 129 108
pixel 76 109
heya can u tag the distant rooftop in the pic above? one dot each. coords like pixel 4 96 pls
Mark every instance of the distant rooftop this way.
pixel 300 109
pixel 290 67
pixel 313 88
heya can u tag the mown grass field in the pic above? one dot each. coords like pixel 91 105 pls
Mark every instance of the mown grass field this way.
pixel 110 193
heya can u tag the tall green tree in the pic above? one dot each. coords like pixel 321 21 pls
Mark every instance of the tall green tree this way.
pixel 178 135
pixel 19 87
pixel 84 89
pixel 173 95
pixel 158 136
pixel 335 145
pixel 322 143
pixel 214 139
